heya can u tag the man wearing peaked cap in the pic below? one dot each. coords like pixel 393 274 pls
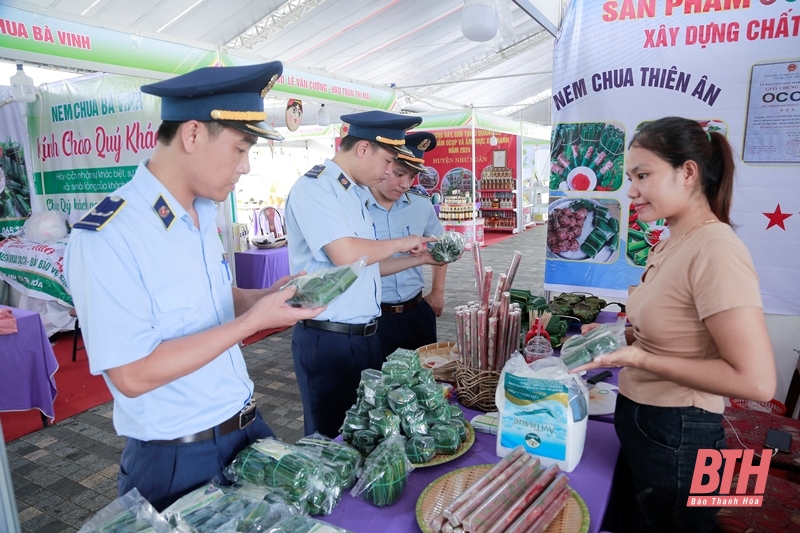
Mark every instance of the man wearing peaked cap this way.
pixel 152 288
pixel 328 224
pixel 408 319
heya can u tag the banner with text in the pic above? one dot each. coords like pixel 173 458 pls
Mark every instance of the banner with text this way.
pixel 34 269
pixel 731 65
pixel 15 164
pixel 89 135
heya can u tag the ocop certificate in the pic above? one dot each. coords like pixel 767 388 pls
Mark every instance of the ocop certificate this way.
pixel 772 133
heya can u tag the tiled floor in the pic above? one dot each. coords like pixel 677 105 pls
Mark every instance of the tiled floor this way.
pixel 63 474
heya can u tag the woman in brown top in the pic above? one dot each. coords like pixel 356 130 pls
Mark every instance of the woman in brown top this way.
pixel 698 331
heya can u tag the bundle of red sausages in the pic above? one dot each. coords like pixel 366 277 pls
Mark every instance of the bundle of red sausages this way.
pixel 488 331
pixel 516 495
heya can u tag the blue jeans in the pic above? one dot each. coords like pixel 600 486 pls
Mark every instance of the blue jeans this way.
pixel 660 445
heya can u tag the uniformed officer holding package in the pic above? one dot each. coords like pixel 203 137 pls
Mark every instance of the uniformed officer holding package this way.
pixel 152 288
pixel 408 319
pixel 328 224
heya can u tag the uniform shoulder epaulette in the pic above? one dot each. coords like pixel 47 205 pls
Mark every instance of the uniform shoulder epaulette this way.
pixel 418 192
pixel 101 214
pixel 315 171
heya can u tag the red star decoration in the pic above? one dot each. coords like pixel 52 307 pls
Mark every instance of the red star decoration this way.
pixel 776 218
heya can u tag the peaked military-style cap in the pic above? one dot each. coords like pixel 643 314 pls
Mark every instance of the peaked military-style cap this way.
pixel 417 143
pixel 233 96
pixel 389 129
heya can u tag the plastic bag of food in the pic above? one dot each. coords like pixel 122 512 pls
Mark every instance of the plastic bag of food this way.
pixel 582 349
pixel 304 524
pixel 430 395
pixel 413 424
pixel 239 508
pixel 460 428
pixel 325 493
pixel 445 438
pixel 440 415
pixel 341 458
pixel 448 247
pixel 385 473
pixel 409 357
pixel 402 401
pixel 354 421
pixel 128 513
pixel 371 379
pixel 384 422
pixel 456 413
pixel 277 465
pixel 425 375
pixel 323 287
pixel 396 374
pixel 420 449
pixel 365 441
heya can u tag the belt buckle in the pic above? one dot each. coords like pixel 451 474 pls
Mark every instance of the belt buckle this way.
pixel 247 415
pixel 394 309
pixel 371 328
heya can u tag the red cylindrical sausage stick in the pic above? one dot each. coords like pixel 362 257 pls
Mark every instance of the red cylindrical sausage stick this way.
pixel 491 344
pixel 483 330
pixel 526 519
pixel 501 287
pixel 437 522
pixel 496 504
pixel 481 496
pixel 550 513
pixel 522 503
pixel 478 264
pixel 484 480
pixel 475 354
pixel 512 269
pixel 487 287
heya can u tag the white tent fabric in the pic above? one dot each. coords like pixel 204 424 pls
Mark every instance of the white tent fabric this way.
pixel 413 45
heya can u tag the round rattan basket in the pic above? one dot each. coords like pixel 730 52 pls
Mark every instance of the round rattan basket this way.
pixel 443 371
pixel 573 518
pixel 476 388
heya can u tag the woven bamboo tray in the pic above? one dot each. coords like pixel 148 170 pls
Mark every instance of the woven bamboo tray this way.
pixel 445 372
pixel 574 518
pixel 476 388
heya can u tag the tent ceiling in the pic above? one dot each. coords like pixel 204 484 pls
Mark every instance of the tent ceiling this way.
pixel 411 44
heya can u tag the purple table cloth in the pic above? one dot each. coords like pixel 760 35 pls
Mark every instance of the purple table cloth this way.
pixel 27 366
pixel 591 479
pixel 259 268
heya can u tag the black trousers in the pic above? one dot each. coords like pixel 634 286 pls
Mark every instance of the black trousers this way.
pixel 328 367
pixel 164 472
pixel 410 329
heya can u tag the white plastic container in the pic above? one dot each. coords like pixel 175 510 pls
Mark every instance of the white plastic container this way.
pixel 22 88
pixel 544 409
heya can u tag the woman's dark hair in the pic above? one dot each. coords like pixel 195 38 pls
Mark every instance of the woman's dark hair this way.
pixel 678 140
pixel 169 128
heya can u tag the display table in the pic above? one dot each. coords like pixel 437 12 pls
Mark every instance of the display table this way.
pixel 28 366
pixel 591 479
pixel 259 268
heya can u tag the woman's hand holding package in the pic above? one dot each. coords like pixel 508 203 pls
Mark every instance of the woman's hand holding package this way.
pixel 627 356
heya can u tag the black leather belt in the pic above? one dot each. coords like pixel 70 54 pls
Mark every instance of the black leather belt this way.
pixel 392 309
pixel 240 420
pixel 341 327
